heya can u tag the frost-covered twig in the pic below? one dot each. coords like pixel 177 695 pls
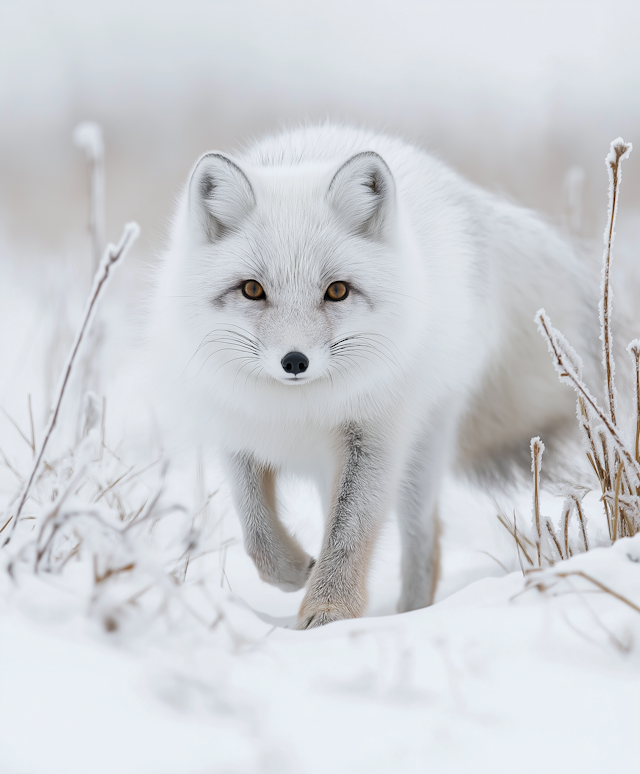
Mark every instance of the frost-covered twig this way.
pixel 88 136
pixel 540 582
pixel 582 520
pixel 554 538
pixel 112 255
pixel 519 538
pixel 567 373
pixel 537 449
pixel 616 505
pixel 618 151
pixel 634 350
pixel 567 509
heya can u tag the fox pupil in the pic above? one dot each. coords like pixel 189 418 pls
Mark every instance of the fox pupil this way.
pixel 337 291
pixel 253 290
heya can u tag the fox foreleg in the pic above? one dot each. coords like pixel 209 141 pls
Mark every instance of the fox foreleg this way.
pixel 338 584
pixel 277 555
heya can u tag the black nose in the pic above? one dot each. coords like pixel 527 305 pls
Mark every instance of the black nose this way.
pixel 295 363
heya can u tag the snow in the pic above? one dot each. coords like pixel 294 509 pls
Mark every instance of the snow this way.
pixel 156 648
pixel 503 673
pixel 492 678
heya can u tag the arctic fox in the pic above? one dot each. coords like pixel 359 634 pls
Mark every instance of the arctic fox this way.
pixel 341 305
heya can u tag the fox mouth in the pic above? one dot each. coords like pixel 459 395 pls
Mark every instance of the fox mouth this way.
pixel 296 379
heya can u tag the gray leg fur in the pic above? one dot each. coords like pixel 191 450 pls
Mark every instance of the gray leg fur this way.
pixel 418 514
pixel 279 558
pixel 338 584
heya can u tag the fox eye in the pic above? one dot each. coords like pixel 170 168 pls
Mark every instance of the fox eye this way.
pixel 337 291
pixel 253 290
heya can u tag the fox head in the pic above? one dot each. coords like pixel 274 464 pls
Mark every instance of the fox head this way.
pixel 290 277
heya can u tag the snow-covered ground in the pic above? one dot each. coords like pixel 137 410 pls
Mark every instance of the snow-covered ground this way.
pixel 155 648
pixel 135 634
pixel 491 679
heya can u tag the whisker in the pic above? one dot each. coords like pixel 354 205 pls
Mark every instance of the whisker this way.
pixel 228 362
pixel 368 337
pixel 351 354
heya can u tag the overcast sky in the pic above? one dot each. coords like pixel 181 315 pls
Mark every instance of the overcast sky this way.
pixel 481 82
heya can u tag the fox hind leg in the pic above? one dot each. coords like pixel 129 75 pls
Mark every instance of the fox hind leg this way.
pixel 418 513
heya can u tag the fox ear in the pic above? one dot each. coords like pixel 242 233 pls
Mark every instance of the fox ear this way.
pixel 363 193
pixel 220 196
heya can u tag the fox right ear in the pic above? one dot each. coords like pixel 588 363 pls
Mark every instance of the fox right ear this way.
pixel 362 193
pixel 220 196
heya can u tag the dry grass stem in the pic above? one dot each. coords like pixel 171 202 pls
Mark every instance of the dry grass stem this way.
pixel 554 538
pixel 619 150
pixel 634 351
pixel 537 449
pixel 567 373
pixel 112 255
pixel 88 137
pixel 566 516
pixel 18 428
pixel 521 540
pixel 616 467
pixel 616 507
pixel 33 431
pixel 537 582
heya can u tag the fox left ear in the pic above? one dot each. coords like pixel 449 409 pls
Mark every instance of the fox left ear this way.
pixel 220 196
pixel 363 194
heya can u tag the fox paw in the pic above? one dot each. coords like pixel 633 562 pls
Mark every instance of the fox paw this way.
pixel 289 576
pixel 313 615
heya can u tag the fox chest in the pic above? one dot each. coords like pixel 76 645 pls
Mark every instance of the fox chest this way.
pixel 303 448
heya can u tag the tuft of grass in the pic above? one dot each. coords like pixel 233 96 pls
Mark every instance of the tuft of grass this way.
pixel 615 466
pixel 112 255
pixel 91 521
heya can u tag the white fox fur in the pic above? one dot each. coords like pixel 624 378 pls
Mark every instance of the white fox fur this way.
pixel 432 361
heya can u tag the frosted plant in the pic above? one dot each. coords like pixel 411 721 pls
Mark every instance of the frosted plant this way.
pixel 616 466
pixel 88 137
pixel 618 151
pixel 96 527
pixel 89 521
pixel 112 255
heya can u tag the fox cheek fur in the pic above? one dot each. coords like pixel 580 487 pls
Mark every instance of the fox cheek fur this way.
pixel 341 305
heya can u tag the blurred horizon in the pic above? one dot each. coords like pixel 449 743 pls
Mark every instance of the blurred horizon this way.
pixel 513 95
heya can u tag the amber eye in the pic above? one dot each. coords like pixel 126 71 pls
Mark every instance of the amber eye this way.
pixel 337 291
pixel 253 290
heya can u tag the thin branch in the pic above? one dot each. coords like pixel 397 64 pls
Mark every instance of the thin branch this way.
pixel 537 449
pixel 112 255
pixel 600 585
pixel 10 467
pixel 582 520
pixel 616 505
pixel 88 136
pixel 513 531
pixel 566 371
pixel 554 537
pixel 618 151
pixel 33 431
pixel 566 516
pixel 151 503
pixel 634 350
pixel 114 483
pixel 17 426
